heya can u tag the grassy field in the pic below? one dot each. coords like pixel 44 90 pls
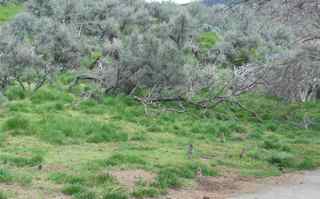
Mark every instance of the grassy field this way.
pixel 9 11
pixel 53 143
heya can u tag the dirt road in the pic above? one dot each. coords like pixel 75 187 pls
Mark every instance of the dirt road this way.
pixel 307 188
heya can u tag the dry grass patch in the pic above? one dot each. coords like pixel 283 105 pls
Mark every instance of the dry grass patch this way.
pixel 129 178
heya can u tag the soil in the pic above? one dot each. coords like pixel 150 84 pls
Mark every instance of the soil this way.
pixel 297 187
pixel 231 186
pixel 227 186
pixel 129 178
pixel 26 193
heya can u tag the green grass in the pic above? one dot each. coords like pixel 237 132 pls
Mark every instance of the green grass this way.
pixel 115 194
pixel 62 178
pixel 21 161
pixel 5 175
pixel 7 12
pixel 208 40
pixel 79 142
pixel 3 195
pixel 120 159
pixel 73 189
pixel 8 177
pixel 85 195
pixel 18 125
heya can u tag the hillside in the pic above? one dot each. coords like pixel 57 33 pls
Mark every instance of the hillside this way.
pixel 126 99
pixel 81 147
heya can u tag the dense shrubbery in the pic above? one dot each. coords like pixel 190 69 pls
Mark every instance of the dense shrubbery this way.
pixel 159 48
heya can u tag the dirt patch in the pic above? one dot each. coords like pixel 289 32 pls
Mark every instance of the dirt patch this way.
pixel 193 194
pixel 129 178
pixel 285 179
pixel 213 188
pixel 224 186
pixel 19 192
pixel 53 168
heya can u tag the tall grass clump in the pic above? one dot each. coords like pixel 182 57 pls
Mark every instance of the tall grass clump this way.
pixel 167 178
pixel 5 176
pixel 21 161
pixel 21 106
pixel 145 191
pixel 108 133
pixel 115 192
pixel 48 94
pixel 18 125
pixel 15 93
pixel 63 178
pixel 85 195
pixel 61 129
pixel 124 159
pixel 3 137
pixel 72 189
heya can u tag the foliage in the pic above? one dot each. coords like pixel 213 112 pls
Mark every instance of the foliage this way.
pixel 167 51
pixel 8 11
